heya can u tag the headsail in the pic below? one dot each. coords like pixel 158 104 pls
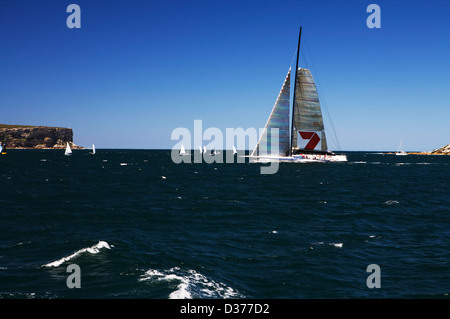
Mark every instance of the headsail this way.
pixel 279 118
pixel 309 131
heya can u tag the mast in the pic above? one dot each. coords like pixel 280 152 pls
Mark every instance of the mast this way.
pixel 295 90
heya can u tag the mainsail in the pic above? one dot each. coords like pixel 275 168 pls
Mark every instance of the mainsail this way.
pixel 278 119
pixel 309 131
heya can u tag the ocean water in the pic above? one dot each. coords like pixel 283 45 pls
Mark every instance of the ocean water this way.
pixel 140 226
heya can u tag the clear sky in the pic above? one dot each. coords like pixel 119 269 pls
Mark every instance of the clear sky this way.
pixel 136 70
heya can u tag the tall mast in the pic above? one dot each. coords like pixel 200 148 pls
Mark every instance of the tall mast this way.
pixel 295 89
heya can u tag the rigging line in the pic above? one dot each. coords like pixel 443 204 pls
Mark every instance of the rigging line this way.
pixel 309 65
pixel 319 91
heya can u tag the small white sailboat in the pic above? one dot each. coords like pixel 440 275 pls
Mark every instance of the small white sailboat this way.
pixel 182 150
pixel 400 150
pixel 200 149
pixel 234 150
pixel 68 150
pixel 204 149
pixel 93 149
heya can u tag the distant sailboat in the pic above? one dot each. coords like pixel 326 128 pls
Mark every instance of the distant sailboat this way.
pixel 2 150
pixel 68 150
pixel 400 150
pixel 200 149
pixel 214 152
pixel 93 149
pixel 234 150
pixel 204 149
pixel 182 150
pixel 301 137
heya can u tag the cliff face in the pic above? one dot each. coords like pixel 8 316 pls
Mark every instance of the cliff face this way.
pixel 35 136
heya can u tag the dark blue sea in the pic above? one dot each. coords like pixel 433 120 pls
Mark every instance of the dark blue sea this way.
pixel 140 226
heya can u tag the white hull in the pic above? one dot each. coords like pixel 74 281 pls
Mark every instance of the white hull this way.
pixel 401 153
pixel 301 158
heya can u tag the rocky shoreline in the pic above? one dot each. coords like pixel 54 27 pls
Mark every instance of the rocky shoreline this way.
pixel 36 137
pixel 445 150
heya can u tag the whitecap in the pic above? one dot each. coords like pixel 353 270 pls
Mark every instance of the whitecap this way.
pixel 400 164
pixel 338 245
pixel 391 202
pixel 93 250
pixel 163 177
pixel 191 284
pixel 123 164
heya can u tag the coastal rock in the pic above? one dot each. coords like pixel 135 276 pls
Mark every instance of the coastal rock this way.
pixel 21 136
pixel 445 150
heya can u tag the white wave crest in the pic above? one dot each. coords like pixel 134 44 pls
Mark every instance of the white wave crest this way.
pixel 92 250
pixel 191 284
pixel 391 202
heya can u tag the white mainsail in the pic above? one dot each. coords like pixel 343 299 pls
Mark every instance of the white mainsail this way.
pixel 93 149
pixel 68 150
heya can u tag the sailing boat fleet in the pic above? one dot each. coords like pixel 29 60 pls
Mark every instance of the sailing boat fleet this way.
pixel 295 130
pixel 68 150
pixel 299 138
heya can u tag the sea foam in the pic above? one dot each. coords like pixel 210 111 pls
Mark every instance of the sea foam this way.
pixel 191 284
pixel 92 250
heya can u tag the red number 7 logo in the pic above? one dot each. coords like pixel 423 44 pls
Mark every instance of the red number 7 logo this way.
pixel 313 138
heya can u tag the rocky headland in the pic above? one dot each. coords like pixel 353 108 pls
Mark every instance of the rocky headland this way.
pixel 36 137
pixel 445 150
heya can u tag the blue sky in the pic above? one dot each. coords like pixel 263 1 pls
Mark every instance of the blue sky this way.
pixel 136 70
